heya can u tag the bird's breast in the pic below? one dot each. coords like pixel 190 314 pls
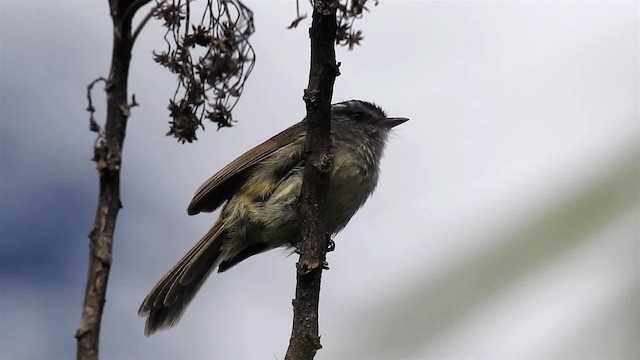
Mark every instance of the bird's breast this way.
pixel 354 177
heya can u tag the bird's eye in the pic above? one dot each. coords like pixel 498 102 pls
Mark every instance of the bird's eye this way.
pixel 357 115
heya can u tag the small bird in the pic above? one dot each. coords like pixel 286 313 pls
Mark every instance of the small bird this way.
pixel 261 190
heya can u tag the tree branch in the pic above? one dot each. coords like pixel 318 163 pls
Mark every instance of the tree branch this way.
pixel 146 19
pixel 305 339
pixel 130 8
pixel 108 158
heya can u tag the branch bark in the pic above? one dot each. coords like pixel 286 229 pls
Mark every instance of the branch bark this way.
pixel 305 339
pixel 108 158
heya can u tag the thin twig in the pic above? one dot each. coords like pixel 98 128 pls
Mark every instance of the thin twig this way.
pixel 144 21
pixel 132 9
pixel 93 124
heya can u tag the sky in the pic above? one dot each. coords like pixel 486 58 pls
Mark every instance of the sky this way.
pixel 505 223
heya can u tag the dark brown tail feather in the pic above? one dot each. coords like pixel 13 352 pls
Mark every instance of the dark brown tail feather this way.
pixel 167 301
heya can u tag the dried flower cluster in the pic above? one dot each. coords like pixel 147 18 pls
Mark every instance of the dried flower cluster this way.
pixel 212 59
pixel 347 11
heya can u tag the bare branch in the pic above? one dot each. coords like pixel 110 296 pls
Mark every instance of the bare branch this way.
pixel 298 18
pixel 131 9
pixel 107 154
pixel 93 124
pixel 212 60
pixel 305 338
pixel 144 21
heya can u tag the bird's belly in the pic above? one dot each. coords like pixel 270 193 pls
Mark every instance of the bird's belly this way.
pixel 348 191
pixel 274 220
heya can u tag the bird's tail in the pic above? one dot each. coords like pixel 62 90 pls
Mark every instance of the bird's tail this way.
pixel 167 301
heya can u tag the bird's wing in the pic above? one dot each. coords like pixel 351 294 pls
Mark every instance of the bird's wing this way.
pixel 225 182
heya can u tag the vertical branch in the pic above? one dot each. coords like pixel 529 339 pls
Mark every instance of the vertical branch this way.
pixel 305 339
pixel 108 158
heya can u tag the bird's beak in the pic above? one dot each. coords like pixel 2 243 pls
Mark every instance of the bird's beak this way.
pixel 394 121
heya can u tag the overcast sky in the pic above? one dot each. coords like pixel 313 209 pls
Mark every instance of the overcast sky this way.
pixel 505 224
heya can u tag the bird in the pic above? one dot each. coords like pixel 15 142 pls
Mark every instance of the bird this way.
pixel 259 192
